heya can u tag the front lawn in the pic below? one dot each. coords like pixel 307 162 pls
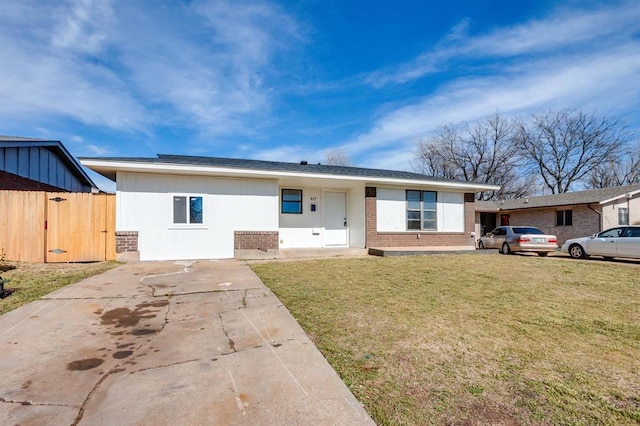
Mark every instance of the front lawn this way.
pixel 31 281
pixel 474 339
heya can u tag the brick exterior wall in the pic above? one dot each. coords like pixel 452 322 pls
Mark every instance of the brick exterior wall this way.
pixel 585 221
pixel 255 240
pixel 126 241
pixel 416 238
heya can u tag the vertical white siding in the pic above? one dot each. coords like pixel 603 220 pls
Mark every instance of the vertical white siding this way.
pixel 450 212
pixel 303 230
pixel 145 204
pixel 392 211
pixel 356 216
pixel 306 230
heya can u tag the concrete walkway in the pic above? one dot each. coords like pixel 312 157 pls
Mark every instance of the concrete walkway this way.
pixel 166 343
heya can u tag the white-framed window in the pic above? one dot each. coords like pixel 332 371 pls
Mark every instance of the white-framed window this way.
pixel 187 209
pixel 623 216
pixel 421 210
pixel 291 201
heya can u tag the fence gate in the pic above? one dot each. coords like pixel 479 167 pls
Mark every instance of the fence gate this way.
pixel 79 227
pixel 40 226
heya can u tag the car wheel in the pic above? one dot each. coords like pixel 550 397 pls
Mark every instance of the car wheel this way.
pixel 543 253
pixel 576 251
pixel 480 245
pixel 505 249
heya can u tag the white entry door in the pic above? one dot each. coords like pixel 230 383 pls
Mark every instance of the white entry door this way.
pixel 335 219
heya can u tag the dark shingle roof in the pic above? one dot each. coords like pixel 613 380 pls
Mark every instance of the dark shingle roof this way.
pixel 565 199
pixel 279 167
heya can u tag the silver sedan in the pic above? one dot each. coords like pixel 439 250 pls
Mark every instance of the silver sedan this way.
pixel 622 241
pixel 511 239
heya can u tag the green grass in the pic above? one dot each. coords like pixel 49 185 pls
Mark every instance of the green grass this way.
pixel 34 280
pixel 474 339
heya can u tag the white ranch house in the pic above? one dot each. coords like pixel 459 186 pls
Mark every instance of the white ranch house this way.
pixel 183 207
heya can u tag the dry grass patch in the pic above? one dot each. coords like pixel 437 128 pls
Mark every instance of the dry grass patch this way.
pixel 31 281
pixel 469 339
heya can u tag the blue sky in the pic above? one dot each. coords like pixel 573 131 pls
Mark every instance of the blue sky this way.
pixel 291 80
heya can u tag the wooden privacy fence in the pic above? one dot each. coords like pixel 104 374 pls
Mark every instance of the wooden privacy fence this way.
pixel 57 226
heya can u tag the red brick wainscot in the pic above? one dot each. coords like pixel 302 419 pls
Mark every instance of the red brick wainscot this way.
pixel 127 246
pixel 417 238
pixel 256 244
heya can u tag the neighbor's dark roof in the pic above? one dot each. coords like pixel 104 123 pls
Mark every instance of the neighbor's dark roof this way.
pixel 53 146
pixel 565 199
pixel 278 166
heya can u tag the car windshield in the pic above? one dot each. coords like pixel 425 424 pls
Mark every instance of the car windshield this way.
pixel 527 230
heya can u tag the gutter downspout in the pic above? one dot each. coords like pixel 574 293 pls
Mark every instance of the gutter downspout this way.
pixel 599 214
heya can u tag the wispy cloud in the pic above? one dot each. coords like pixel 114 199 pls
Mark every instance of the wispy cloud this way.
pixel 586 60
pixel 129 65
pixel 564 31
pixel 83 25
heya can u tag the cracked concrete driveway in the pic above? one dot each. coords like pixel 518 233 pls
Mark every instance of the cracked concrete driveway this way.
pixel 202 343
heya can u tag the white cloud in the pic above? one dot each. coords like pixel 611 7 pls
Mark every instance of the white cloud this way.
pixel 565 30
pixel 130 66
pixel 603 81
pixel 83 26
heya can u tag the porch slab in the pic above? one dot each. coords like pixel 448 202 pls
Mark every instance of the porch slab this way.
pixel 303 253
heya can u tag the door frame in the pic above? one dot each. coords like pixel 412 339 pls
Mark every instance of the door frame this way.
pixel 324 217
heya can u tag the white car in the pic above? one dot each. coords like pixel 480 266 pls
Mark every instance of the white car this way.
pixel 622 241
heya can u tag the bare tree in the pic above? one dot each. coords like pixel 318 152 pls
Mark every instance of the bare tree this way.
pixel 564 147
pixel 337 157
pixel 483 151
pixel 616 170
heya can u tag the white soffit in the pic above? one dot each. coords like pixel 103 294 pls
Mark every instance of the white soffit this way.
pixel 111 167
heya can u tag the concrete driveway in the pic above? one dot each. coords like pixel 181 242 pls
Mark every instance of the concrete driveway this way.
pixel 202 343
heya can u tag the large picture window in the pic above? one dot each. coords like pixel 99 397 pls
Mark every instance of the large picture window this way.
pixel 421 210
pixel 187 209
pixel 291 201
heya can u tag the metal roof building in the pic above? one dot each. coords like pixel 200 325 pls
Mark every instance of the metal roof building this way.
pixel 30 164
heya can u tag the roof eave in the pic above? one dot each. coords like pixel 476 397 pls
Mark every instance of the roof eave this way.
pixel 109 168
pixel 58 148
pixel 629 194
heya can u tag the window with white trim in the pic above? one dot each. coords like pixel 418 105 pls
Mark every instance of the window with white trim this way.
pixel 421 210
pixel 623 216
pixel 291 202
pixel 187 209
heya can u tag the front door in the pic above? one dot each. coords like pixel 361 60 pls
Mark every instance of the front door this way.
pixel 335 219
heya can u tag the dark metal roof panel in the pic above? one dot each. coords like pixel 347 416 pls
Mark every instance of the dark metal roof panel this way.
pixel 57 149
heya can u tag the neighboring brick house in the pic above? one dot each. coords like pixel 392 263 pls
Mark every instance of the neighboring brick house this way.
pixel 29 164
pixel 567 215
pixel 182 207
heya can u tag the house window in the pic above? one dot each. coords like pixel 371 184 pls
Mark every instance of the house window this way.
pixel 187 209
pixel 564 217
pixel 623 216
pixel 292 201
pixel 421 210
